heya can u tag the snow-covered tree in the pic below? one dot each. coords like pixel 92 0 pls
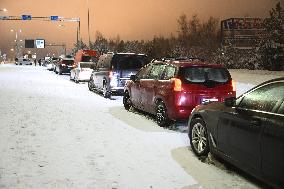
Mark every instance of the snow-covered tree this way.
pixel 100 44
pixel 272 44
pixel 78 46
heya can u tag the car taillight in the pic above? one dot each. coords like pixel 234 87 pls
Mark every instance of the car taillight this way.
pixel 177 84
pixel 110 74
pixel 233 84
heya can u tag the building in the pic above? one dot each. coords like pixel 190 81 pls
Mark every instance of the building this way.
pixel 242 33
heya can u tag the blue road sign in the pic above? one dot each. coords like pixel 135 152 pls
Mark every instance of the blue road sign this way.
pixel 54 18
pixel 26 17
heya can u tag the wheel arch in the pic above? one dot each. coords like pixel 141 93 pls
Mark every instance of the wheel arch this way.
pixel 212 138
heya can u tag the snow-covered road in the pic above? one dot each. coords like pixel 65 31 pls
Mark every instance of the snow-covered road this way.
pixel 57 134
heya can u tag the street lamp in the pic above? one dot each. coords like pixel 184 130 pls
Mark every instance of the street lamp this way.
pixel 89 24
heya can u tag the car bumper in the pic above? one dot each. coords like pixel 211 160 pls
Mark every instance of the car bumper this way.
pixel 65 70
pixel 181 113
pixel 117 90
pixel 84 76
pixel 49 66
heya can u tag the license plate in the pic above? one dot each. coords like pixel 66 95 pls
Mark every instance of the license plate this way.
pixel 208 100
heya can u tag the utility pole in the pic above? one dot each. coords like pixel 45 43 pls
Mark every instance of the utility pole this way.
pixel 89 24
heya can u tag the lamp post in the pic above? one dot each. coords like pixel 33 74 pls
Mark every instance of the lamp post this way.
pixel 4 10
pixel 89 24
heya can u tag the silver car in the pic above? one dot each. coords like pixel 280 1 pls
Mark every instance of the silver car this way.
pixel 24 61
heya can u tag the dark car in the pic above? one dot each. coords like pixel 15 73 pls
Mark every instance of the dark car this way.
pixel 170 90
pixel 113 70
pixel 247 131
pixel 65 65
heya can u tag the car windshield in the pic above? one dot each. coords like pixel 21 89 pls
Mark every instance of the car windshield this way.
pixel 203 74
pixel 89 59
pixel 87 65
pixel 129 61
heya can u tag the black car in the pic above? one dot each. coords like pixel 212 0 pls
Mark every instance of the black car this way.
pixel 65 65
pixel 247 132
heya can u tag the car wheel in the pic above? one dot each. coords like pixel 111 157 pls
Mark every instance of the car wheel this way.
pixel 161 114
pixel 198 137
pixel 90 86
pixel 76 79
pixel 106 93
pixel 60 72
pixel 126 101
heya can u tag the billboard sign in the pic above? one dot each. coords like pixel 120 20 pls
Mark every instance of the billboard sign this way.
pixel 29 43
pixel 242 24
pixel 40 43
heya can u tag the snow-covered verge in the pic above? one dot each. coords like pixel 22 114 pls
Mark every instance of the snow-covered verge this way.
pixel 57 134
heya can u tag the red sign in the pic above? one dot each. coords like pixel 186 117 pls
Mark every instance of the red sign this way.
pixel 242 23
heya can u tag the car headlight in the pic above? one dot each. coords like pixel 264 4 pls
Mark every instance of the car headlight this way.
pixel 113 82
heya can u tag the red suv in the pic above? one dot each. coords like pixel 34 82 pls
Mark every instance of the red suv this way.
pixel 170 90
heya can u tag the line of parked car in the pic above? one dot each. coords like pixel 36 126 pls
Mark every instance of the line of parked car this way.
pixel 247 131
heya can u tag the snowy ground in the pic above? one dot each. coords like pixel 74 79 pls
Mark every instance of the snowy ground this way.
pixel 57 134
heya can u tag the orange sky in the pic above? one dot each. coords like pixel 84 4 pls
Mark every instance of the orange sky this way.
pixel 130 19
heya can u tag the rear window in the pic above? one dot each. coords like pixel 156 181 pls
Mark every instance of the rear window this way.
pixel 87 65
pixel 204 74
pixel 89 59
pixel 68 62
pixel 128 61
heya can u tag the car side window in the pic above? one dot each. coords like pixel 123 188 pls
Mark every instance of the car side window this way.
pixel 169 72
pixel 157 71
pixel 263 98
pixel 144 73
pixel 281 109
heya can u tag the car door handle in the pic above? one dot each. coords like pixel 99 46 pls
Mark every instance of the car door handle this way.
pixel 255 122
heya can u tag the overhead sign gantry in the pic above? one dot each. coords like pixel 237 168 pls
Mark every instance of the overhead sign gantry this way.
pixel 45 18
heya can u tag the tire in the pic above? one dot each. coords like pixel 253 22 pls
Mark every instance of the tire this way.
pixel 76 80
pixel 60 72
pixel 90 85
pixel 106 93
pixel 126 101
pixel 198 137
pixel 161 114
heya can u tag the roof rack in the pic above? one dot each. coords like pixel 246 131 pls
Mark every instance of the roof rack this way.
pixel 183 58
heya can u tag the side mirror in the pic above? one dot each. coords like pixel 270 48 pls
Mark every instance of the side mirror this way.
pixel 133 78
pixel 230 102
